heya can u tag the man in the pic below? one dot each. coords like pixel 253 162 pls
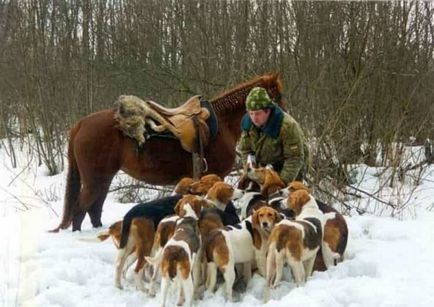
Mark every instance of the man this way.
pixel 273 137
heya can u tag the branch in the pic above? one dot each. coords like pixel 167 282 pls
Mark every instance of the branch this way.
pixel 374 197
pixel 139 186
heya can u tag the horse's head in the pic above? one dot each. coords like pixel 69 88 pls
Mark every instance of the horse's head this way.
pixel 234 99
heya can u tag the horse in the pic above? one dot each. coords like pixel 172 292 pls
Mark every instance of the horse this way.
pixel 97 150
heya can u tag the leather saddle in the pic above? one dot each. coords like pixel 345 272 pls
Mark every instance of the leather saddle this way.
pixel 190 119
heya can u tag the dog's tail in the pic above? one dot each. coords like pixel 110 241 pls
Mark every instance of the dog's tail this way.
pixel 102 236
pixel 330 258
pixel 156 260
pixel 126 225
pixel 174 260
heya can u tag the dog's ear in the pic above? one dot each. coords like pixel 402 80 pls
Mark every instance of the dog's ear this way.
pixel 244 182
pixel 270 190
pixel 304 197
pixel 277 217
pixel 272 183
pixel 297 200
pixel 255 219
pixel 297 185
pixel 197 207
pixel 178 207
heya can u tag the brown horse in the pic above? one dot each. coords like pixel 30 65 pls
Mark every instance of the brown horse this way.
pixel 97 150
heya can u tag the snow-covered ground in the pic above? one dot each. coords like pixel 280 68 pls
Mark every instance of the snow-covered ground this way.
pixel 388 260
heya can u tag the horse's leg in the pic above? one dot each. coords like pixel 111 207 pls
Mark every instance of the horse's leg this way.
pixel 95 210
pixel 90 195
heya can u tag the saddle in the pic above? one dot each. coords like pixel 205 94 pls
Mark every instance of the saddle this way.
pixel 189 120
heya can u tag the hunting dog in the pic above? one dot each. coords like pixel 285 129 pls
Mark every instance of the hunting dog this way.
pixel 138 232
pixel 295 242
pixel 183 186
pixel 202 186
pixel 270 186
pixel 179 259
pixel 226 247
pixel 239 244
pixel 263 220
pixel 222 211
pixel 335 230
pixel 268 180
pixel 139 216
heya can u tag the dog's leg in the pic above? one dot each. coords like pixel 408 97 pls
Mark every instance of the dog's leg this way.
pixel 178 284
pixel 164 289
pixel 261 261
pixel 139 269
pixel 270 273
pixel 271 267
pixel 187 288
pixel 138 278
pixel 203 269
pixel 308 266
pixel 155 263
pixel 229 276
pixel 247 271
pixel 151 286
pixel 120 261
pixel 298 272
pixel 280 261
pixel 197 280
pixel 130 260
pixel 211 276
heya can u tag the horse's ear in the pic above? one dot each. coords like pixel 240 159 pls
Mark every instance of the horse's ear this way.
pixel 277 75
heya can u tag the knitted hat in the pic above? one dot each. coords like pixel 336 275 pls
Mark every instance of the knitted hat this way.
pixel 258 99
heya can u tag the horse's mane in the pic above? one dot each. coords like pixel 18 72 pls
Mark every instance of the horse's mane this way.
pixel 234 98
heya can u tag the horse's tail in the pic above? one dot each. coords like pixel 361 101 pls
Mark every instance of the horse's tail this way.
pixel 73 183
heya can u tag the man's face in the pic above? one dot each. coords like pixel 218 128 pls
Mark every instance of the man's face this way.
pixel 259 117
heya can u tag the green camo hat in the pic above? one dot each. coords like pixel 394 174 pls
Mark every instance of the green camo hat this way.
pixel 258 99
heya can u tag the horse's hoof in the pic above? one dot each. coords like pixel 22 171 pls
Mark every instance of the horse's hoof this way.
pixel 55 230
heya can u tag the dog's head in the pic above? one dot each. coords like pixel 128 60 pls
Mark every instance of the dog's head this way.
pixel 202 186
pixel 267 178
pixel 248 185
pixel 183 186
pixel 265 218
pixel 189 205
pixel 221 193
pixel 297 200
pixel 292 187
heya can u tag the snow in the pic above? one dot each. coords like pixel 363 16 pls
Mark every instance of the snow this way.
pixel 388 261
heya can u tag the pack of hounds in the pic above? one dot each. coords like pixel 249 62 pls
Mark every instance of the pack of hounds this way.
pixel 208 232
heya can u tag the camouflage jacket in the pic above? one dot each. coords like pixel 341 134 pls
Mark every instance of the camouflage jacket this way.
pixel 281 142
